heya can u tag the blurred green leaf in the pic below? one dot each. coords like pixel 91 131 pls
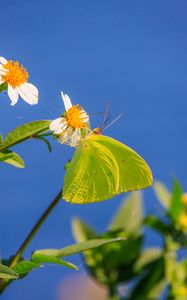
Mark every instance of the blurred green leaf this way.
pixel 11 158
pixel 176 203
pixel 3 87
pixel 114 263
pixel 146 257
pixel 76 248
pixel 81 231
pixel 25 266
pixel 129 215
pixel 171 241
pixel 155 223
pixel 157 289
pixel 114 253
pixel 162 193
pixel 40 258
pixel 176 272
pixel 24 132
pixel 170 265
pixel 180 238
pixel 149 280
pixel 7 273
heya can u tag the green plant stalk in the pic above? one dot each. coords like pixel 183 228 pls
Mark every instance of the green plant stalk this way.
pixel 112 291
pixel 30 236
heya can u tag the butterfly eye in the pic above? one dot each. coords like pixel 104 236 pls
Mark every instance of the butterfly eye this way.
pixel 97 130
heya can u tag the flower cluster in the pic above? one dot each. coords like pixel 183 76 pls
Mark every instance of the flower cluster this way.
pixel 69 127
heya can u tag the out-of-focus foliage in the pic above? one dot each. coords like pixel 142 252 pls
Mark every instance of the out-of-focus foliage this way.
pixel 145 272
pixel 50 256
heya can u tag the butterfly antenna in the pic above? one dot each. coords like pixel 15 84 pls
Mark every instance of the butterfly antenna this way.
pixel 106 116
pixel 121 115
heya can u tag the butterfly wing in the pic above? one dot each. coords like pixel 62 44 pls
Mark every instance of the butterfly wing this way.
pixel 102 168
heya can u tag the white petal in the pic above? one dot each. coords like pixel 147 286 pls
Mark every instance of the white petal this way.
pixel 29 88
pixel 13 94
pixel 58 126
pixel 64 124
pixel 3 71
pixel 75 138
pixel 3 60
pixel 65 136
pixel 67 101
pixel 57 131
pixel 85 117
pixel 32 88
pixel 26 93
pixel 55 124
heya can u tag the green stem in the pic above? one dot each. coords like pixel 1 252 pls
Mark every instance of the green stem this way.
pixel 113 295
pixel 30 236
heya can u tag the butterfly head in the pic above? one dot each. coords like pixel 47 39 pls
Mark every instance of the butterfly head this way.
pixel 97 131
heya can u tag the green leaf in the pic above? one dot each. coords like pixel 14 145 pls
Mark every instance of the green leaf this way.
pixel 76 248
pixel 155 223
pixel 114 263
pixel 170 266
pixel 148 281
pixel 157 289
pixel 4 155
pixel 7 273
pixel 114 253
pixel 3 87
pixel 25 266
pixel 24 132
pixel 82 231
pixel 11 158
pixel 129 215
pixel 41 258
pixel 163 194
pixel 176 203
pixel 146 257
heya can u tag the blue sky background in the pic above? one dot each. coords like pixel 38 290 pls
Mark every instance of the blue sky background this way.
pixel 130 53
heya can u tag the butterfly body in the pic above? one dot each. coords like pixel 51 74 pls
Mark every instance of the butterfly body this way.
pixel 103 167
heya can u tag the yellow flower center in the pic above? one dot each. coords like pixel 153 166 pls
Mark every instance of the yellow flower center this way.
pixel 184 198
pixel 75 117
pixel 16 74
pixel 182 221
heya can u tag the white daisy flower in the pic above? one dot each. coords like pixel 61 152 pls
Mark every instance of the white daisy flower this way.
pixel 16 77
pixel 68 127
